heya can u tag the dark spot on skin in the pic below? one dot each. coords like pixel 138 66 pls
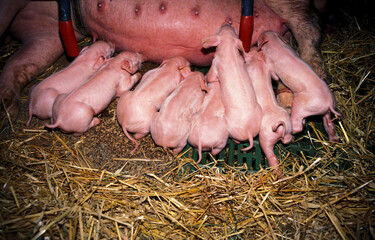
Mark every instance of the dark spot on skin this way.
pixel 195 11
pixel 163 7
pixel 229 20
pixel 137 10
pixel 256 13
pixel 101 6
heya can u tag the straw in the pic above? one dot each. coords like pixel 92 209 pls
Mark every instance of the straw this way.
pixel 55 185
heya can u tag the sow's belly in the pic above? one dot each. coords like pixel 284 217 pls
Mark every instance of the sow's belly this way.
pixel 163 29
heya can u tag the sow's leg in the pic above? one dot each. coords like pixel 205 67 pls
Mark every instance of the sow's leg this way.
pixel 302 18
pixel 36 26
pixel 9 9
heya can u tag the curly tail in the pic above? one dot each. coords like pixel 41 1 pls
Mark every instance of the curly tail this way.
pixel 199 152
pixel 277 125
pixel 30 117
pixel 131 139
pixel 251 141
pixel 52 125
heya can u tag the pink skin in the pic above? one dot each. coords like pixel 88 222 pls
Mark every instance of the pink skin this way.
pixel 209 130
pixel 170 126
pixel 74 112
pixel 136 108
pixel 276 123
pixel 312 96
pixel 43 95
pixel 302 19
pixel 174 28
pixel 242 112
pixel 158 30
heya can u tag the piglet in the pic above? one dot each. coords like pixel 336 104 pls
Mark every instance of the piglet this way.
pixel 242 112
pixel 312 96
pixel 209 130
pixel 276 123
pixel 136 108
pixel 74 112
pixel 43 95
pixel 170 126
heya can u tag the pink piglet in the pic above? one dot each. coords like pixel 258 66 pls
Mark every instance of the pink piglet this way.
pixel 43 95
pixel 75 112
pixel 170 127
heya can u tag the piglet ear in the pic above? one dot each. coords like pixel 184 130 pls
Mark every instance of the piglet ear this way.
pixel 127 66
pixel 100 61
pixel 204 85
pixel 261 42
pixel 164 62
pixel 185 71
pixel 211 41
pixel 239 45
pixel 83 49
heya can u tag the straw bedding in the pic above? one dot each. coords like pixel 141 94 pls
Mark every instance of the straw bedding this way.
pixel 56 186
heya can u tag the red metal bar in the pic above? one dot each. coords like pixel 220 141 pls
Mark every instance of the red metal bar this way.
pixel 68 37
pixel 246 31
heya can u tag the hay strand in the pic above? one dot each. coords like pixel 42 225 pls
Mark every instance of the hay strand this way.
pixel 58 186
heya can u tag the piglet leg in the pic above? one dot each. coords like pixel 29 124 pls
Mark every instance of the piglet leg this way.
pixel 298 119
pixel 330 128
pixel 95 121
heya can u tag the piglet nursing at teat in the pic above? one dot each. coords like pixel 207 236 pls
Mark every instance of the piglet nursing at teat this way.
pixel 276 123
pixel 242 112
pixel 75 112
pixel 43 95
pixel 136 108
pixel 209 130
pixel 170 127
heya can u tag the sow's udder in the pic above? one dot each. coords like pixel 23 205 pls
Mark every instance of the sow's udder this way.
pixel 163 29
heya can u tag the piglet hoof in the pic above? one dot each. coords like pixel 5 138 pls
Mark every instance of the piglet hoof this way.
pixel 177 150
pixel 278 173
pixel 334 138
pixel 95 121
